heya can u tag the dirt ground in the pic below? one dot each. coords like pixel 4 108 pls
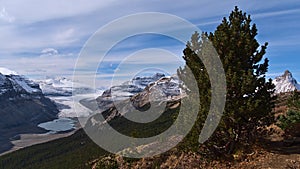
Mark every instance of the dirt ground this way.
pixel 27 140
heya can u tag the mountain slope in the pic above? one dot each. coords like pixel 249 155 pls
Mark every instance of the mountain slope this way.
pixel 72 152
pixel 285 83
pixel 166 86
pixel 22 107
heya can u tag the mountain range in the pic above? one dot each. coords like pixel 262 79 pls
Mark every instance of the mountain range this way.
pixel 25 103
pixel 167 85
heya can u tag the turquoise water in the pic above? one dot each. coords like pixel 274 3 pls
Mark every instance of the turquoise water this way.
pixel 59 125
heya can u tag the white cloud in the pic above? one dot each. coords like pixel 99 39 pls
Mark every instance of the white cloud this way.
pixel 67 36
pixel 49 52
pixel 152 56
pixel 5 16
pixel 275 13
pixel 40 66
pixel 36 25
pixel 36 10
pixel 274 74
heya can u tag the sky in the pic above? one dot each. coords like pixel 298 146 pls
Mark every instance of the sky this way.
pixel 45 38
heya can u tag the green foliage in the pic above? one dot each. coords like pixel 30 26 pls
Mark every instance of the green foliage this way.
pixel 70 153
pixel 194 70
pixel 293 115
pixel 291 118
pixel 249 99
pixel 294 101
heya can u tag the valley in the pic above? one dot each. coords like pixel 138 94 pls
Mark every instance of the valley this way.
pixel 78 143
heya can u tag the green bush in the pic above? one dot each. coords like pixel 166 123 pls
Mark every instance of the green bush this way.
pixel 289 120
pixel 292 117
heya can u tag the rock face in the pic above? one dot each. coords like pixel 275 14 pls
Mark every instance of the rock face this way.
pixel 139 94
pixel 285 83
pixel 139 89
pixel 22 106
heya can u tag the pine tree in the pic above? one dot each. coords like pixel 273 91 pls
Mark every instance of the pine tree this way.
pixel 249 99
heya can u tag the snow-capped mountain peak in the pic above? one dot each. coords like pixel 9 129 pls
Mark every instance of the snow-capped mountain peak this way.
pixel 12 84
pixel 5 71
pixel 132 87
pixel 160 86
pixel 285 83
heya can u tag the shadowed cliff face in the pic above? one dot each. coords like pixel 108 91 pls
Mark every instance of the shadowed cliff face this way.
pixel 22 107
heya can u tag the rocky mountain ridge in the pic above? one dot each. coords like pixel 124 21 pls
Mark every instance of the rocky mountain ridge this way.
pixel 159 85
pixel 285 83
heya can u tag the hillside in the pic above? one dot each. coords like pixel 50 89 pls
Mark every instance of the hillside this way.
pixel 71 152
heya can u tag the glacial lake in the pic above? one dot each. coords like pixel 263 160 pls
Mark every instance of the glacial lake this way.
pixel 58 125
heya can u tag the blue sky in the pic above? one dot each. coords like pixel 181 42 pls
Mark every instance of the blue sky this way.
pixel 42 38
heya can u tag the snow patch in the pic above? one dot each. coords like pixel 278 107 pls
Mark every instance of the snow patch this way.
pixel 6 71
pixel 61 86
pixel 25 86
